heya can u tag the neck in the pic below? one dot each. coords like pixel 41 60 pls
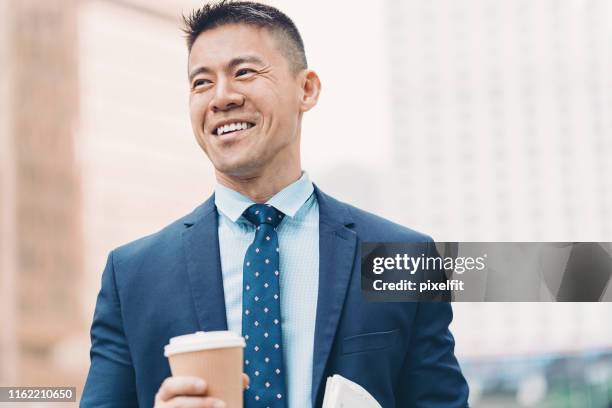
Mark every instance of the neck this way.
pixel 262 186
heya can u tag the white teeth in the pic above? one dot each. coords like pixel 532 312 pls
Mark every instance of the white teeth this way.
pixel 230 127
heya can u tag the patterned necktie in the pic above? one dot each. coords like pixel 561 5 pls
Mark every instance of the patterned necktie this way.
pixel 261 315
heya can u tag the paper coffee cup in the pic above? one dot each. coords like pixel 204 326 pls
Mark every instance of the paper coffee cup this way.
pixel 214 356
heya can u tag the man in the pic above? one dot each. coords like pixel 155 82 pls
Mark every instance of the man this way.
pixel 267 230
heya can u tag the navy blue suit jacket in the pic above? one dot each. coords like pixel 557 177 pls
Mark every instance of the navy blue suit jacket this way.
pixel 170 283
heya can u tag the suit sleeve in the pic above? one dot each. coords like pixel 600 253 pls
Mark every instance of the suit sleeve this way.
pixel 111 379
pixel 430 376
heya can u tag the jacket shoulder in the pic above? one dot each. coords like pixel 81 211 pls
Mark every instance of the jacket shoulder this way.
pixel 160 241
pixel 371 227
pixel 368 226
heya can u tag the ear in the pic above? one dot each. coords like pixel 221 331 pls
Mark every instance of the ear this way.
pixel 310 87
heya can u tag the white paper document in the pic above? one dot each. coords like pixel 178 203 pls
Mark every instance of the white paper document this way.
pixel 343 393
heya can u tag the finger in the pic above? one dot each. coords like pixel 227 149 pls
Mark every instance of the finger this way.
pixel 196 402
pixel 245 380
pixel 173 386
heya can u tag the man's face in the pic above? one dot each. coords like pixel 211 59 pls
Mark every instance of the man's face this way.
pixel 245 102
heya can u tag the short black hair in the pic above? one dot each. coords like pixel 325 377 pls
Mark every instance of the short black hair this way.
pixel 219 13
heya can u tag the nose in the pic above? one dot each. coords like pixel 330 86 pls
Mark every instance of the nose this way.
pixel 226 98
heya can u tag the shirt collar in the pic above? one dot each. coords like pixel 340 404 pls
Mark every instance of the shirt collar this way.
pixel 289 200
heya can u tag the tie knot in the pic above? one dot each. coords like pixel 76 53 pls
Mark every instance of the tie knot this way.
pixel 263 214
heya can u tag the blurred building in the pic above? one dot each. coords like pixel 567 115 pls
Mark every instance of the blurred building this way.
pixel 501 134
pixel 41 205
pixel 500 128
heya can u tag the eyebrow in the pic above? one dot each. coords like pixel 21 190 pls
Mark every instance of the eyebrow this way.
pixel 234 62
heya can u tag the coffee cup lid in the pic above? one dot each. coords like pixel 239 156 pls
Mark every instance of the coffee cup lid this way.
pixel 203 341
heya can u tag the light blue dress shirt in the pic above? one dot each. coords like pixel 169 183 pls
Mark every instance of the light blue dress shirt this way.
pixel 298 236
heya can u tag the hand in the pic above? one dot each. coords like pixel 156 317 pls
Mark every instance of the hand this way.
pixel 188 392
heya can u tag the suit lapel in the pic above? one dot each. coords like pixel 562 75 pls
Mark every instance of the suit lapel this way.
pixel 337 246
pixel 337 250
pixel 201 244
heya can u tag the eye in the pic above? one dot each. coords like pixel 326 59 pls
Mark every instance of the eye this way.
pixel 200 82
pixel 244 71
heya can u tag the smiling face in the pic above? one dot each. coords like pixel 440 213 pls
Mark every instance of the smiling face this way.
pixel 245 102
